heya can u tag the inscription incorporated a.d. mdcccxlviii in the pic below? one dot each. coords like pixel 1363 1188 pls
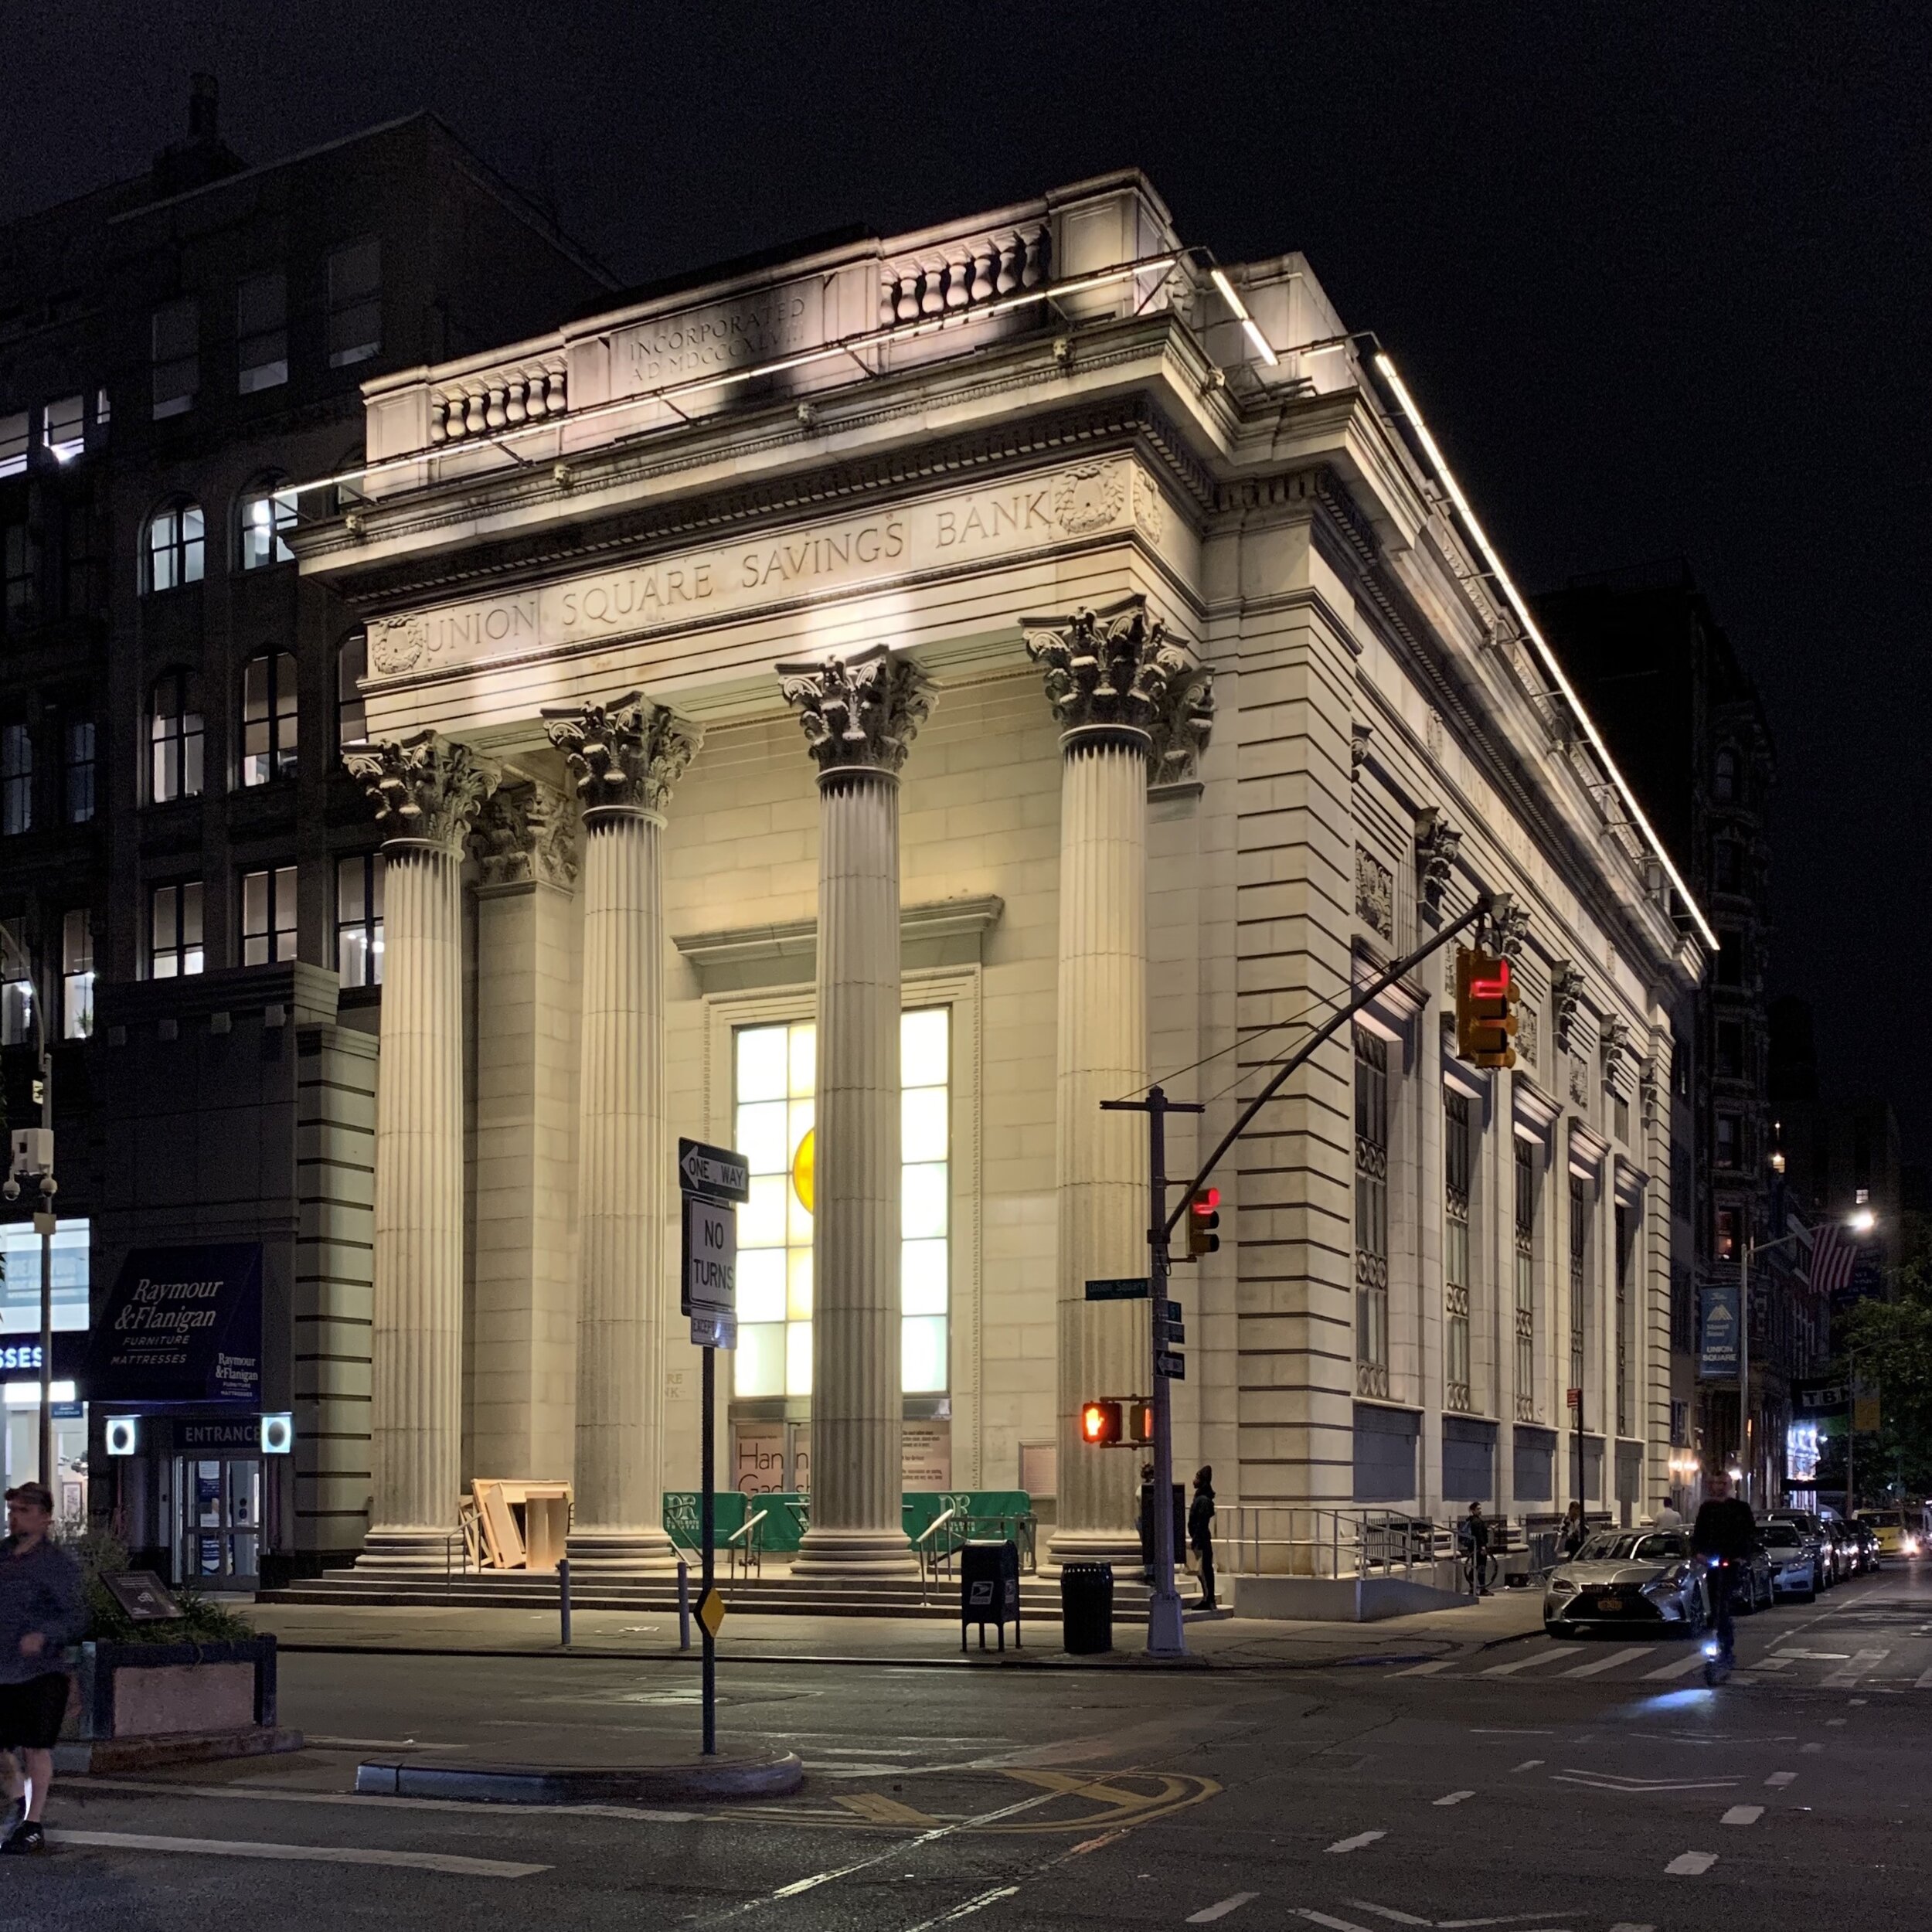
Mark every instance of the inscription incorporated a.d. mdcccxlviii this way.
pixel 724 336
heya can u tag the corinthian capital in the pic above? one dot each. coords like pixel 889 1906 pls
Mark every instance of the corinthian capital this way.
pixel 1117 670
pixel 859 713
pixel 625 756
pixel 526 833
pixel 426 788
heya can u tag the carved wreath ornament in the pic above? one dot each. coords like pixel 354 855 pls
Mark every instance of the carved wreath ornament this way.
pixel 1118 667
pixel 859 713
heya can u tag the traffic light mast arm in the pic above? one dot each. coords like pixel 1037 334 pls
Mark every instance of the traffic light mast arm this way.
pixel 1481 909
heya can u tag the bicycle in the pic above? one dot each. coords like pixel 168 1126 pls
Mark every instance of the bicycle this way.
pixel 1480 1574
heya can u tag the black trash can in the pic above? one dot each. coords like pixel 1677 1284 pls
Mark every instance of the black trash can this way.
pixel 1087 1608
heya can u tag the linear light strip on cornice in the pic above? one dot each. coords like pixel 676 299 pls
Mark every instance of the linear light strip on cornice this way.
pixel 670 393
pixel 1386 369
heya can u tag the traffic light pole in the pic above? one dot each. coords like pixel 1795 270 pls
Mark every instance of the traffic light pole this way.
pixel 1166 1636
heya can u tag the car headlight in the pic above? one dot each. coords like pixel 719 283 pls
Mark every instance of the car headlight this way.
pixel 1661 1590
pixel 1562 1586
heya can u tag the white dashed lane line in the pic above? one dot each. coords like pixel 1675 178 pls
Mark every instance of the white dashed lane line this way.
pixel 1527 1764
pixel 1861 1662
pixel 1221 1908
pixel 1355 1843
pixel 1430 1669
pixel 1743 1814
pixel 1778 1780
pixel 1455 1797
pixel 1689 1864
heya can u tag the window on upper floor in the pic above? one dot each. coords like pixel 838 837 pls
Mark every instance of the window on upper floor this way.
pixel 1724 777
pixel 177 545
pixel 1730 1140
pixel 1730 959
pixel 13 442
pixel 268 916
pixel 80 556
pixel 351 666
pixel 16 983
pixel 63 428
pixel 174 737
pixel 354 302
pixel 1730 1049
pixel 268 718
pixel 20 558
pixel 1729 1221
pixel 175 930
pixel 359 919
pixel 78 771
pixel 16 778
pixel 176 355
pixel 76 974
pixel 261 330
pixel 1727 865
pixel 266 514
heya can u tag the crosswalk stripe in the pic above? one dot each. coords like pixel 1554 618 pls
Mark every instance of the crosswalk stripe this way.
pixel 1923 1680
pixel 1849 1673
pixel 314 1853
pixel 1610 1662
pixel 1682 1667
pixel 1430 1669
pixel 1549 1656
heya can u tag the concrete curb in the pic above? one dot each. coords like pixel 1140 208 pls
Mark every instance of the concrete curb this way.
pixel 1116 1659
pixel 107 1755
pixel 723 1778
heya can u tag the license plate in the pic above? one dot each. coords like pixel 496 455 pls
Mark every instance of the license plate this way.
pixel 1610 1605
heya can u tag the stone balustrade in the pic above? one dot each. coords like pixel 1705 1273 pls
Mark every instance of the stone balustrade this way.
pixel 951 276
pixel 499 399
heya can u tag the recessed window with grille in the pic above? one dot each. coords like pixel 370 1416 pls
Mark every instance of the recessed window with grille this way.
pixel 1578 1275
pixel 176 356
pixel 1525 1248
pixel 79 773
pixel 351 666
pixel 267 515
pixel 77 975
pixel 174 738
pixel 1456 1151
pixel 268 718
pixel 359 919
pixel 776 1072
pixel 261 330
pixel 177 545
pixel 63 428
pixel 16 778
pixel 22 550
pixel 268 916
pixel 355 303
pixel 1370 1213
pixel 175 931
pixel 1623 1230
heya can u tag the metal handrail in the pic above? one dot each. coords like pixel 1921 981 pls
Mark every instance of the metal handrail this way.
pixel 1295 1539
pixel 930 1559
pixel 741 1542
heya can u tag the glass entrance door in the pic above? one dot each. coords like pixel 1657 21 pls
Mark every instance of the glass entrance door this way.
pixel 217 1507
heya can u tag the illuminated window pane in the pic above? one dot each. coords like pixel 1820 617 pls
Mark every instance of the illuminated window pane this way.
pixel 923 1043
pixel 922 1124
pixel 802 1062
pixel 922 1197
pixel 798 1283
pixel 761 1220
pixel 761 1285
pixel 922 1360
pixel 922 1277
pixel 758 1362
pixel 761 1137
pixel 761 1066
pixel 797 1358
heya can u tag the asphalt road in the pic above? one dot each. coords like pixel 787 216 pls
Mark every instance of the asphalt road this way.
pixel 1577 1787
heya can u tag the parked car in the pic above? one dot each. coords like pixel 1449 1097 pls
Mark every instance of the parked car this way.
pixel 1866 1538
pixel 1846 1544
pixel 1625 1577
pixel 1797 1559
pixel 1814 1525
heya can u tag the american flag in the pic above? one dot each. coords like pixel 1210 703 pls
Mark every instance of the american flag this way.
pixel 1833 1256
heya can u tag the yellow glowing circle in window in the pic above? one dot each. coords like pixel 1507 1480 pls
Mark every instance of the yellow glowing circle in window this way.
pixel 801 1164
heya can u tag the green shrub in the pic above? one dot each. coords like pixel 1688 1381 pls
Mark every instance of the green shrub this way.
pixel 100 1554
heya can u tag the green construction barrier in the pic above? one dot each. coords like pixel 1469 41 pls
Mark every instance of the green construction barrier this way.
pixel 990 1513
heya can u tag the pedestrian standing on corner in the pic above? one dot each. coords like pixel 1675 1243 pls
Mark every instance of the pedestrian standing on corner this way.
pixel 1667 1518
pixel 1200 1531
pixel 1476 1533
pixel 1576 1532
pixel 1147 1523
pixel 42 1609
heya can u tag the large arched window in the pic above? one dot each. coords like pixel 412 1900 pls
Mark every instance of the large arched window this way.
pixel 176 542
pixel 1724 786
pixel 268 718
pixel 174 737
pixel 351 666
pixel 266 514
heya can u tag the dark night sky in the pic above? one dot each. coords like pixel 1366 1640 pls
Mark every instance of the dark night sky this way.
pixel 1658 275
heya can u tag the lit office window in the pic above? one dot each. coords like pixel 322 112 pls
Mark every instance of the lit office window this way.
pixel 268 718
pixel 359 919
pixel 176 356
pixel 76 974
pixel 175 931
pixel 351 666
pixel 261 331
pixel 776 1073
pixel 177 544
pixel 268 916
pixel 63 428
pixel 355 303
pixel 267 515
pixel 174 737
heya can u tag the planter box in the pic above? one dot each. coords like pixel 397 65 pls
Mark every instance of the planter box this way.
pixel 126 1690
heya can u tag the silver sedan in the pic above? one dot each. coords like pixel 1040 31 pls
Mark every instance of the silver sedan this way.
pixel 1626 1577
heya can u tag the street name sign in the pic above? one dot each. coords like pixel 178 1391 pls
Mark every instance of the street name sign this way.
pixel 715 1171
pixel 1131 1287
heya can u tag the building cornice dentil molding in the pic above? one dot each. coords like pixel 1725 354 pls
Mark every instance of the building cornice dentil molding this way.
pixel 526 834
pixel 426 789
pixel 861 712
pixel 625 756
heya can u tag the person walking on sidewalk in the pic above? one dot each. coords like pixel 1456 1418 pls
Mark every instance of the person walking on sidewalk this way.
pixel 1576 1532
pixel 1147 1522
pixel 42 1609
pixel 1200 1531
pixel 1475 1542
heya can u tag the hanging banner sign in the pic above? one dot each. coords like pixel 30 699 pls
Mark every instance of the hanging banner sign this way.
pixel 1717 1359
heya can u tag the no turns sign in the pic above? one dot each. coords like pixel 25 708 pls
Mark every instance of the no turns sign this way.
pixel 710 1257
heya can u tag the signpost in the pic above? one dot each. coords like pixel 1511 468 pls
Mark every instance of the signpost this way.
pixel 712 1180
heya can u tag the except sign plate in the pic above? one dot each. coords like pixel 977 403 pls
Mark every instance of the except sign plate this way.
pixel 716 1331
pixel 716 1171
pixel 1131 1287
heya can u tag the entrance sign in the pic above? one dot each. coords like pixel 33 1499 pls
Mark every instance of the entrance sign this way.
pixel 713 1170
pixel 710 1257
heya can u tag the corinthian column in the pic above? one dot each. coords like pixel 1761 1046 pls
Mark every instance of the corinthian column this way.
pixel 625 757
pixel 425 790
pixel 859 714
pixel 1127 699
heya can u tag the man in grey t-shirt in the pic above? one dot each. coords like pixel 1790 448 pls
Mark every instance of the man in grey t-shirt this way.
pixel 42 1609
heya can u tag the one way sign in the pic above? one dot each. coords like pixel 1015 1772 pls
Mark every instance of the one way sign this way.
pixel 715 1171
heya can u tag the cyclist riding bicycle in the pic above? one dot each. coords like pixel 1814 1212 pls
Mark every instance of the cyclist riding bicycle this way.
pixel 1723 1536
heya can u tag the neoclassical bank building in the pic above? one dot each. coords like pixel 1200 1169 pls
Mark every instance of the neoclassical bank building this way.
pixel 867 712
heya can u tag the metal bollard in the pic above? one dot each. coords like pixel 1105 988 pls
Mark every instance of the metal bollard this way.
pixel 684 1604
pixel 563 1596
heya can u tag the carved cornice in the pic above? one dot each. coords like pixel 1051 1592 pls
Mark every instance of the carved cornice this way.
pixel 1437 845
pixel 859 713
pixel 525 834
pixel 1615 1041
pixel 1509 932
pixel 1566 996
pixel 625 756
pixel 1359 734
pixel 1117 670
pixel 426 789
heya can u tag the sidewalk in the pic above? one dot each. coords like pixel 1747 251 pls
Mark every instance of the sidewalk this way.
pixel 1223 1643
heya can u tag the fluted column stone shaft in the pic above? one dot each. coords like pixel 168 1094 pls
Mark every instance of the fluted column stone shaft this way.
pixel 860 715
pixel 625 758
pixel 427 791
pixel 1129 701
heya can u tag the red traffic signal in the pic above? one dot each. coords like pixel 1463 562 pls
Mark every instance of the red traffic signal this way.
pixel 1100 1423
pixel 1486 999
pixel 1203 1217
